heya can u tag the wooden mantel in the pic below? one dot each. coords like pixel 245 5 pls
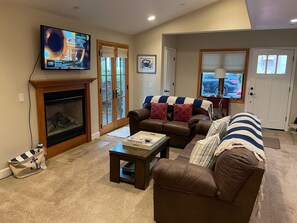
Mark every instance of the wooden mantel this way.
pixel 58 85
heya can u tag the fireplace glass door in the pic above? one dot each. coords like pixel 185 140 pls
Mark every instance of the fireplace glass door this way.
pixel 64 115
pixel 113 87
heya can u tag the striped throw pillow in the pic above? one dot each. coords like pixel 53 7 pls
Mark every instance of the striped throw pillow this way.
pixel 219 127
pixel 203 152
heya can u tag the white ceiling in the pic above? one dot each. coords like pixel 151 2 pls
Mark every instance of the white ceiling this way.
pixel 127 16
pixel 130 16
pixel 272 14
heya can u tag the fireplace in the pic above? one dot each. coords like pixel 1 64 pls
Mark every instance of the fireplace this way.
pixel 63 109
pixel 64 115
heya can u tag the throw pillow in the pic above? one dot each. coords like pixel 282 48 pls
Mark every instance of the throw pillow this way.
pixel 203 152
pixel 182 112
pixel 158 111
pixel 219 127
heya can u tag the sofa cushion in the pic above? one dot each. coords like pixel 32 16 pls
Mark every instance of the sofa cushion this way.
pixel 159 111
pixel 203 152
pixel 219 127
pixel 177 128
pixel 152 125
pixel 182 112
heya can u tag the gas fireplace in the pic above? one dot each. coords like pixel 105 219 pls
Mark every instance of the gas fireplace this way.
pixel 63 109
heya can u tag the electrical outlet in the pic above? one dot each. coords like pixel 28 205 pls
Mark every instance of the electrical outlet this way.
pixel 21 97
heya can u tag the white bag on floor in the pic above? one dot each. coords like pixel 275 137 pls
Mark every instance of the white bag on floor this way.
pixel 28 163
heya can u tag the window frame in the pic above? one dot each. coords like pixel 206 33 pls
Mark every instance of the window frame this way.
pixel 245 73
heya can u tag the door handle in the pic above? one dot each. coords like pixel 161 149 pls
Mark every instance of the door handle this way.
pixel 166 91
pixel 252 94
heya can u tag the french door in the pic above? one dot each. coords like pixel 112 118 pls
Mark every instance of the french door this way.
pixel 113 86
pixel 270 86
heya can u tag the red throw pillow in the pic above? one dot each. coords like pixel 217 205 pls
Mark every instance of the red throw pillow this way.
pixel 182 112
pixel 158 111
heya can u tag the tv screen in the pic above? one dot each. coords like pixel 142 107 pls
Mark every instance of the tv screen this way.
pixel 64 49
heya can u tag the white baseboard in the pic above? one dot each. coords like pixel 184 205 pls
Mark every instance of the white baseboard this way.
pixel 96 135
pixel 5 173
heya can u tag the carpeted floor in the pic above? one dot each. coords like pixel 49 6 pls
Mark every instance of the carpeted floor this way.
pixel 76 188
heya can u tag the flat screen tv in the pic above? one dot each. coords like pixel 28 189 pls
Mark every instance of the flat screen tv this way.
pixel 64 49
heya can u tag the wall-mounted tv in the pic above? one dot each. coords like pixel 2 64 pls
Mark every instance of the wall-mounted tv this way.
pixel 64 49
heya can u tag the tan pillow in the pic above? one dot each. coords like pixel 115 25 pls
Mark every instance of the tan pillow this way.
pixel 203 152
pixel 219 127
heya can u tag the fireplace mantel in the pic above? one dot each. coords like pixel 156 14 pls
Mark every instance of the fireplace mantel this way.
pixel 59 85
pixel 60 82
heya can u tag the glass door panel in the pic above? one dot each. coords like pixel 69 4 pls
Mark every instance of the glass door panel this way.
pixel 121 88
pixel 112 88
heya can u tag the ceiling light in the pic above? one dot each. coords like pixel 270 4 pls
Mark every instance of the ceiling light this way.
pixel 151 18
pixel 293 21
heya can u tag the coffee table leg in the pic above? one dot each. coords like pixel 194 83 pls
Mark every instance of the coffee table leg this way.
pixel 142 175
pixel 165 152
pixel 114 169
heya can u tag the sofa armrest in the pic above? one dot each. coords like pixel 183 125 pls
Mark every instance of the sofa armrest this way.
pixel 195 119
pixel 202 127
pixel 185 177
pixel 139 114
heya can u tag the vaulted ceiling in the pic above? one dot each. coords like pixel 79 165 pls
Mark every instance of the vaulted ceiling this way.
pixel 130 16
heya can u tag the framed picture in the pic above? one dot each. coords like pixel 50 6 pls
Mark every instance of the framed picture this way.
pixel 146 64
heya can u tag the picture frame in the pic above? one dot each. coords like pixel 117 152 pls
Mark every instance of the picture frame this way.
pixel 146 64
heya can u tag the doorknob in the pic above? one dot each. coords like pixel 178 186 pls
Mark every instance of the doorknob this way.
pixel 252 94
pixel 252 88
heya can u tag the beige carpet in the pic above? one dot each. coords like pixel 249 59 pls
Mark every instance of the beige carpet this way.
pixel 76 188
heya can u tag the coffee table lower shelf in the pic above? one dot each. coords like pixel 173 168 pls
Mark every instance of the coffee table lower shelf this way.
pixel 144 160
pixel 127 172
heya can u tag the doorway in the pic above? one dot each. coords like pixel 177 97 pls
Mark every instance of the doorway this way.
pixel 113 77
pixel 269 90
pixel 169 71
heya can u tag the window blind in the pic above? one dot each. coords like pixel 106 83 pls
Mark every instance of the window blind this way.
pixel 232 62
pixel 107 51
pixel 123 53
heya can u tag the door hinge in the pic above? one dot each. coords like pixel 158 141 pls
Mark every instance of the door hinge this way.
pixel 289 89
pixel 101 126
pixel 286 119
pixel 100 90
pixel 293 58
pixel 127 87
pixel 174 58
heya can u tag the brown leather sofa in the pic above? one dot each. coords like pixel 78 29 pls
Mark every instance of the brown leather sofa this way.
pixel 180 133
pixel 185 192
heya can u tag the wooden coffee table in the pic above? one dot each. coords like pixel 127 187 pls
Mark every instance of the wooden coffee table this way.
pixel 140 157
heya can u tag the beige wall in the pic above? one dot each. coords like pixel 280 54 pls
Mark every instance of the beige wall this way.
pixel 232 15
pixel 189 45
pixel 20 46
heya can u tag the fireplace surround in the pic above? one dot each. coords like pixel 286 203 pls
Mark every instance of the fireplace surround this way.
pixel 63 112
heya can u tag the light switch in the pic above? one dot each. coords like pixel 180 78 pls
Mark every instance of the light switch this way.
pixel 21 97
pixel 150 85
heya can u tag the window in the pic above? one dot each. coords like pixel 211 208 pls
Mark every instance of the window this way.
pixel 235 64
pixel 272 64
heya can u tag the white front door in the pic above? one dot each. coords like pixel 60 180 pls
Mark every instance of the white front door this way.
pixel 269 88
pixel 169 72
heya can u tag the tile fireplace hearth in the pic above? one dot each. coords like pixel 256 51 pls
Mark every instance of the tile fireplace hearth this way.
pixel 63 110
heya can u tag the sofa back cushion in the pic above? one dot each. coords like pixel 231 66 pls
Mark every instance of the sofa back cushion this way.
pixel 182 112
pixel 158 111
pixel 199 106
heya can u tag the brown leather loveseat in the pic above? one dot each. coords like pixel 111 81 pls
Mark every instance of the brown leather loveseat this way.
pixel 187 193
pixel 180 132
